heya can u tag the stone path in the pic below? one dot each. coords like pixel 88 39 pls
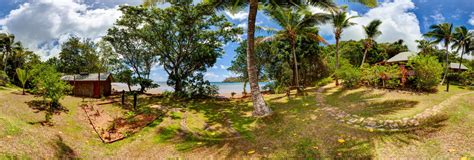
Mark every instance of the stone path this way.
pixel 372 124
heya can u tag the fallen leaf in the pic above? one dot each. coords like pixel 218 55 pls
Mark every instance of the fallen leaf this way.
pixel 371 130
pixel 341 140
pixel 451 150
pixel 199 143
pixel 251 152
pixel 315 147
pixel 463 158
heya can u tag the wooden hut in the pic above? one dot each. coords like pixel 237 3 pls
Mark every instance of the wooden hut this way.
pixel 401 60
pixel 90 85
pixel 455 67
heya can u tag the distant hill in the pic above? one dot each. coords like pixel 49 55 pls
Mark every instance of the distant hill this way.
pixel 232 79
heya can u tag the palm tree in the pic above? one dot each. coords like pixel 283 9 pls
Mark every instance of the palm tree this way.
pixel 425 46
pixel 442 33
pixel 340 21
pixel 23 77
pixel 295 22
pixel 371 32
pixel 261 109
pixel 461 41
pixel 8 46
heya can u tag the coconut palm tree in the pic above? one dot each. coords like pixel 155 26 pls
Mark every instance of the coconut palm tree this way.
pixel 261 109
pixel 371 32
pixel 7 47
pixel 295 22
pixel 461 41
pixel 442 33
pixel 340 21
pixel 425 46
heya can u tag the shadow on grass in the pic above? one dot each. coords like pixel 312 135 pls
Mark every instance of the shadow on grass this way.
pixel 361 103
pixel 44 106
pixel 428 127
pixel 63 151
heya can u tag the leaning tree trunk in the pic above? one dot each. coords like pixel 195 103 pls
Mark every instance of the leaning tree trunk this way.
pixel 261 109
pixel 447 65
pixel 296 73
pixel 462 53
pixel 337 60
pixel 365 54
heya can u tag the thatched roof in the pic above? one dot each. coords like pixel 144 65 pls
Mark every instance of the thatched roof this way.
pixel 456 66
pixel 401 57
pixel 86 77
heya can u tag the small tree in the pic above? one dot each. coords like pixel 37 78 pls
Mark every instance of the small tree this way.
pixel 49 85
pixel 3 78
pixel 427 71
pixel 23 77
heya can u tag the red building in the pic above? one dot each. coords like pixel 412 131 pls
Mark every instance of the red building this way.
pixel 90 85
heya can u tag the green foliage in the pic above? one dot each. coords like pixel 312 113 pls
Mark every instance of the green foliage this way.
pixel 187 40
pixel 127 39
pixel 427 71
pixel 49 85
pixel 350 75
pixel 78 56
pixel 23 77
pixel 4 80
pixel 323 82
pixel 467 78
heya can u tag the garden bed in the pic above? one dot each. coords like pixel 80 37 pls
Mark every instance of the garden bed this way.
pixel 111 129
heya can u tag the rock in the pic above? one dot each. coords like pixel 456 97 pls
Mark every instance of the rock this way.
pixel 371 123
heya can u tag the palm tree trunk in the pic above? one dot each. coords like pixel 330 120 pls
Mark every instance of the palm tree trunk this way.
pixel 337 60
pixel 297 78
pixel 261 109
pixel 447 64
pixel 365 55
pixel 462 53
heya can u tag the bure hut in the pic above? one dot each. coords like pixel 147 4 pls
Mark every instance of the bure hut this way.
pixel 401 60
pixel 456 68
pixel 90 85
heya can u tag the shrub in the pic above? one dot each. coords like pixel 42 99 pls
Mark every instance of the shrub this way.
pixel 466 78
pixel 427 71
pixel 323 82
pixel 3 78
pixel 350 75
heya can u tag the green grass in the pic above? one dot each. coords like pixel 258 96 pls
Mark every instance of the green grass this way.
pixel 298 129
pixel 386 104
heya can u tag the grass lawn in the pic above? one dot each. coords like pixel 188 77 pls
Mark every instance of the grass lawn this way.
pixel 386 104
pixel 225 129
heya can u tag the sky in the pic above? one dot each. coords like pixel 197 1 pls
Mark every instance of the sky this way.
pixel 42 25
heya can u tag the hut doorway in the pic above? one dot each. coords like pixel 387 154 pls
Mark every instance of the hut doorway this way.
pixel 96 89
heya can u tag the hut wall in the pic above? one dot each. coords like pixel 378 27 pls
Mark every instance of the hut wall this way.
pixel 83 88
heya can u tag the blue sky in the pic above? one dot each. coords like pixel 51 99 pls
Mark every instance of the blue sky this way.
pixel 43 24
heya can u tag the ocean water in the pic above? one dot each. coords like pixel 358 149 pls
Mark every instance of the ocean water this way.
pixel 225 88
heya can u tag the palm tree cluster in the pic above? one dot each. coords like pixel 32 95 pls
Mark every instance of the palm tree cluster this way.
pixel 261 109
pixel 459 39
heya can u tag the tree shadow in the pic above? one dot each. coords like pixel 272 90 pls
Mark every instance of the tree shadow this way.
pixel 384 108
pixel 44 106
pixel 63 151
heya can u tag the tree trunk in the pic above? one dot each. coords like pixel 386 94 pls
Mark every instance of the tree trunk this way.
pixel 365 55
pixel 296 73
pixel 129 88
pixel 245 87
pixel 462 53
pixel 447 64
pixel 261 109
pixel 23 89
pixel 337 60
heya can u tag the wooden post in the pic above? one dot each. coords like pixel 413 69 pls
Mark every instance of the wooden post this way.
pixel 123 98
pixel 135 100
pixel 447 84
pixel 100 93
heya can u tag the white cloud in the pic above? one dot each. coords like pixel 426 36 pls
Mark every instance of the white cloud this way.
pixel 210 76
pixel 224 67
pixel 438 17
pixel 398 22
pixel 471 21
pixel 43 24
pixel 241 15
